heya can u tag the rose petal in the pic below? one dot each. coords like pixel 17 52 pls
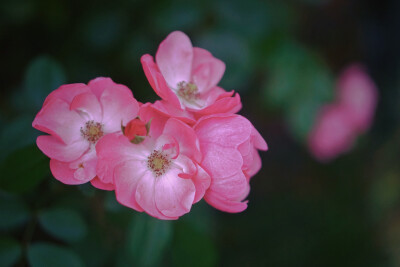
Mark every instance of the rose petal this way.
pixel 114 149
pixel 145 196
pixel 174 58
pixel 157 81
pixel 126 178
pixel 56 149
pixel 223 204
pixel 173 195
pixel 119 107
pixel 207 70
pixel 67 92
pixel 185 135
pixel 96 182
pixel 88 106
pixel 223 129
pixel 202 181
pixel 57 117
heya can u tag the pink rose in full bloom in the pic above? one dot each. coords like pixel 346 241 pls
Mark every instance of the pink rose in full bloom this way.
pixel 229 144
pixel 186 77
pixel 159 175
pixel 340 123
pixel 76 117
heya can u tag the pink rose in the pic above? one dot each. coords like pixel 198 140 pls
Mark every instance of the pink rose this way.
pixel 76 117
pixel 186 77
pixel 160 175
pixel 229 145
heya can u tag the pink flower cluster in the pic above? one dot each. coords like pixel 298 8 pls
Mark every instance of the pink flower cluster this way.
pixel 338 124
pixel 160 157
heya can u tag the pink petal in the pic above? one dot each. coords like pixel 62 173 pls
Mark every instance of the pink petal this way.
pixel 56 118
pixel 85 167
pixel 218 101
pixel 167 110
pixel 100 84
pixel 88 106
pixel 187 167
pixel 145 196
pixel 221 161
pixel 223 204
pixel 174 58
pixel 157 81
pixel 67 92
pixel 96 182
pixel 185 135
pixel 112 150
pixel 246 150
pixel 258 141
pixel 253 167
pixel 119 107
pixel 207 70
pixel 223 129
pixel 126 178
pixel 149 112
pixel 56 149
pixel 173 195
pixel 66 173
pixel 202 181
pixel 234 187
pixel 62 172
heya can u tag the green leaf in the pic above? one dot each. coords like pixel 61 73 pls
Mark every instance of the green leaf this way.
pixel 49 255
pixel 13 212
pixel 23 170
pixel 43 75
pixel 148 238
pixel 10 251
pixel 17 134
pixel 64 224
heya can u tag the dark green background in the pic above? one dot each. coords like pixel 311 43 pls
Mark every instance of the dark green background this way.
pixel 283 58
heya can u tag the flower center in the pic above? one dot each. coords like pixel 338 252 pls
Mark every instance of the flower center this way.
pixel 188 91
pixel 158 162
pixel 92 131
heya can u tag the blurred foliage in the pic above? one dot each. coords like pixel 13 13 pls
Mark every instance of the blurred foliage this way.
pixel 298 93
pixel 283 57
pixel 44 254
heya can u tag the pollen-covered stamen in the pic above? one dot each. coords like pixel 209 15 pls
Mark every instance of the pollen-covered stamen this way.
pixel 158 162
pixel 188 91
pixel 92 131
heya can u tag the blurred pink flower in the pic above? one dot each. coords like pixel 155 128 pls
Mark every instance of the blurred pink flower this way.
pixel 160 175
pixel 76 117
pixel 186 77
pixel 338 124
pixel 229 145
pixel 358 93
pixel 333 133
